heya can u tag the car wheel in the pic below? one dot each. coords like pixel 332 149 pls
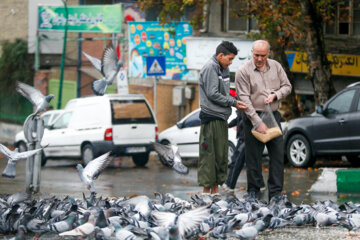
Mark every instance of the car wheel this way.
pixel 22 147
pixel 231 152
pixel 298 151
pixel 140 160
pixel 354 160
pixel 87 154
pixel 43 158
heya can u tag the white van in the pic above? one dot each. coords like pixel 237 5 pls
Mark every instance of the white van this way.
pixel 91 126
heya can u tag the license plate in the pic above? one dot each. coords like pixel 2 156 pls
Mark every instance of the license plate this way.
pixel 135 149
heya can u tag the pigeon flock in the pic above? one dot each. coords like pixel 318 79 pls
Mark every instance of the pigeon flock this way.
pixel 165 217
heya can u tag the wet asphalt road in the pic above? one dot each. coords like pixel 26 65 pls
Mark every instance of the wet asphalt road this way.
pixel 59 178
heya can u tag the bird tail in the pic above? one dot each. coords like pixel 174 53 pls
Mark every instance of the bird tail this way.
pixel 99 86
pixel 10 170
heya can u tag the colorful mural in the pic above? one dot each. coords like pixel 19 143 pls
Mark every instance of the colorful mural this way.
pixel 153 39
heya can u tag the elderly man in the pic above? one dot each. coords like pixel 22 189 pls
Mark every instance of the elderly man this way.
pixel 258 82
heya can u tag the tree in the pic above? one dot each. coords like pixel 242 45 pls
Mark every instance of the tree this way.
pixel 284 24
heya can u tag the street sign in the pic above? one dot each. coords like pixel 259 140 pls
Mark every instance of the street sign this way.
pixel 155 66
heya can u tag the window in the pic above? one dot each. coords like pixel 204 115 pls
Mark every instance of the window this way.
pixel 236 18
pixel 193 120
pixel 345 20
pixel 342 103
pixel 130 111
pixel 63 121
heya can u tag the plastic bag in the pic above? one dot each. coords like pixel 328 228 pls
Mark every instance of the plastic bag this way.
pixel 273 128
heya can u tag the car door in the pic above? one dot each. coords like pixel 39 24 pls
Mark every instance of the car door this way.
pixel 331 130
pixel 189 131
pixel 354 126
pixel 57 138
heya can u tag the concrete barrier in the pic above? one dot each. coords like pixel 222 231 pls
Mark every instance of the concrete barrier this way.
pixel 8 132
pixel 348 180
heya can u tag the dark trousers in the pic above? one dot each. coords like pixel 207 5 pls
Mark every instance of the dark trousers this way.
pixel 253 152
pixel 236 165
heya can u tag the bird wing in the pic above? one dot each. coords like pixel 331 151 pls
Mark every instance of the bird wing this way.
pixel 96 166
pixel 178 166
pixel 108 62
pixel 5 151
pixel 31 93
pixel 165 152
pixel 24 155
pixel 164 219
pixel 191 219
pixel 94 61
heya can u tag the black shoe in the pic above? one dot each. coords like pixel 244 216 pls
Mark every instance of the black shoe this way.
pixel 276 198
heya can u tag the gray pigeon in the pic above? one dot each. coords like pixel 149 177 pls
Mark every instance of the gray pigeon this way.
pixel 18 198
pixel 93 170
pixel 13 157
pixel 34 96
pixel 109 67
pixel 181 224
pixel 170 157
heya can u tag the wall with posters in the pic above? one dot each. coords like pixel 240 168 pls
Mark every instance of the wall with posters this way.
pixel 153 39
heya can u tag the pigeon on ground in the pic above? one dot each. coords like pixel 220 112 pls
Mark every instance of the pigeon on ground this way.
pixel 109 67
pixel 180 224
pixel 82 230
pixel 170 157
pixel 34 96
pixel 93 170
pixel 13 157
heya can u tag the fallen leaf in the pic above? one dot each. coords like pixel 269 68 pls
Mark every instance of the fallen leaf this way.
pixel 184 182
pixel 295 193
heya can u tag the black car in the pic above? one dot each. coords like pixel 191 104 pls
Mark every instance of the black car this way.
pixel 333 130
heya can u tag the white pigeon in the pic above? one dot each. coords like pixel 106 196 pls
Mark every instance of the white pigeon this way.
pixel 34 96
pixel 13 157
pixel 170 157
pixel 93 170
pixel 82 230
pixel 109 67
pixel 183 223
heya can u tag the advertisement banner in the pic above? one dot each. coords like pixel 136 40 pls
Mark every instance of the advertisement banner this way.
pixel 153 39
pixel 89 18
pixel 341 64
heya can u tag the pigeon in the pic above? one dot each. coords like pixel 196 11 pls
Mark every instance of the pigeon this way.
pixel 13 157
pixel 65 225
pixel 109 67
pixel 34 96
pixel 170 157
pixel 180 224
pixel 82 230
pixel 93 170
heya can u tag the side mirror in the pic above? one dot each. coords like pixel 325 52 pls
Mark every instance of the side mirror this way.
pixel 180 125
pixel 320 109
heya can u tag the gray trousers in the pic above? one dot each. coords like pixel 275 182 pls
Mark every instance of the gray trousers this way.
pixel 253 156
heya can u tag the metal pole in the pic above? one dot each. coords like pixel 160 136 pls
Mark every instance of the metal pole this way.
pixel 29 168
pixel 63 57
pixel 37 158
pixel 155 95
pixel 78 92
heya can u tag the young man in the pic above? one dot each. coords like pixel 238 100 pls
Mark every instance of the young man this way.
pixel 258 82
pixel 215 104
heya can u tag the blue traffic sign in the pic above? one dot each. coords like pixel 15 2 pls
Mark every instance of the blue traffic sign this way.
pixel 155 66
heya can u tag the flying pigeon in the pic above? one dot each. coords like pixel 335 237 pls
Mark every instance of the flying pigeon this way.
pixel 170 157
pixel 13 157
pixel 180 224
pixel 109 67
pixel 93 170
pixel 34 96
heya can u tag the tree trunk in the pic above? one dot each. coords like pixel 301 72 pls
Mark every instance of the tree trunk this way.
pixel 319 66
pixel 289 105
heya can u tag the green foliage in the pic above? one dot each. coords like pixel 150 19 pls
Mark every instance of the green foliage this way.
pixel 15 65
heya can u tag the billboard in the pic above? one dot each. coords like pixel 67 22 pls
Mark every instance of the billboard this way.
pixel 153 39
pixel 89 18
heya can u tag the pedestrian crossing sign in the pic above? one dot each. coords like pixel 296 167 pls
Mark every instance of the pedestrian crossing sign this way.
pixel 155 66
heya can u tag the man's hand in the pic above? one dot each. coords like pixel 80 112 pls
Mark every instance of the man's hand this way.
pixel 241 106
pixel 262 128
pixel 270 98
